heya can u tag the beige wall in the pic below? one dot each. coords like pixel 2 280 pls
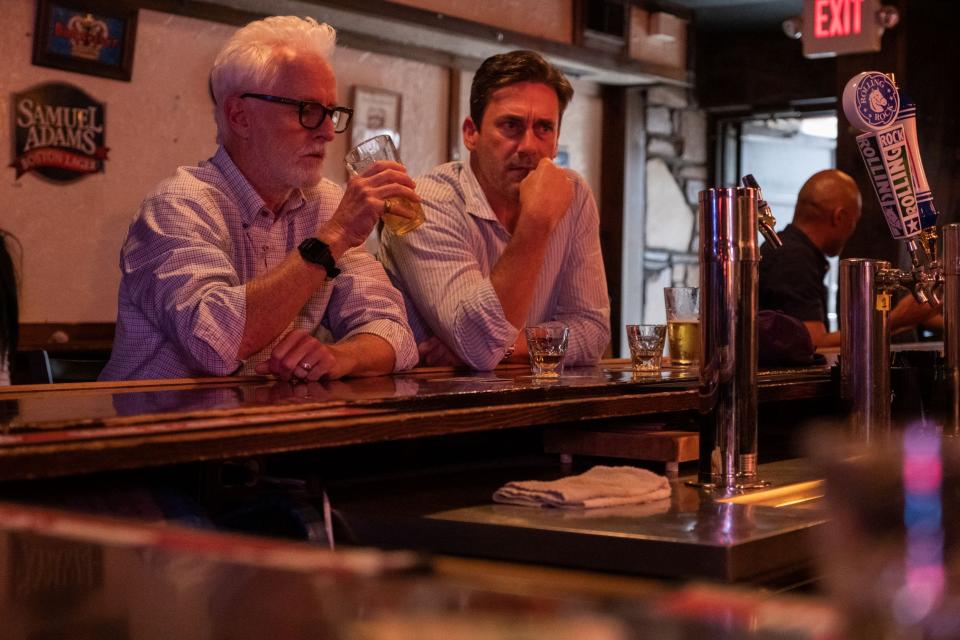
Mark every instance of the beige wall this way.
pixel 580 132
pixel 72 233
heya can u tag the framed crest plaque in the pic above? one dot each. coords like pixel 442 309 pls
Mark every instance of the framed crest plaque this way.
pixel 87 36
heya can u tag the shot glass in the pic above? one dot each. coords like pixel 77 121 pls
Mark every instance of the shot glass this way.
pixel 646 346
pixel 547 344
pixel 365 154
pixel 683 324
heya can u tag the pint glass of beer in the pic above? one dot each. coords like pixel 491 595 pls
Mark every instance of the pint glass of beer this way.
pixel 382 148
pixel 683 324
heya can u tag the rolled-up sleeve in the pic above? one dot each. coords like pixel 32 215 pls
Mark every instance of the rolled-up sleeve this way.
pixel 481 332
pixel 441 275
pixel 583 303
pixel 181 277
pixel 364 301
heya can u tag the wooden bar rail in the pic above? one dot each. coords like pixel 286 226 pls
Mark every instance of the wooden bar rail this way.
pixel 58 430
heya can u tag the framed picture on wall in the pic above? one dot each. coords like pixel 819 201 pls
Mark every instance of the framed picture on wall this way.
pixel 375 112
pixel 86 36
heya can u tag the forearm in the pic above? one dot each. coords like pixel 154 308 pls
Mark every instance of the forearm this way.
pixel 364 354
pixel 828 340
pixel 908 314
pixel 820 337
pixel 515 275
pixel 934 323
pixel 273 299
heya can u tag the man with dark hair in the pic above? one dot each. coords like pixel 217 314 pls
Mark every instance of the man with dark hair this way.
pixel 791 277
pixel 510 239
pixel 500 71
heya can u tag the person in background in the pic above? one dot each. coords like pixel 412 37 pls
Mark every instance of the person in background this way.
pixel 251 261
pixel 9 309
pixel 792 276
pixel 510 239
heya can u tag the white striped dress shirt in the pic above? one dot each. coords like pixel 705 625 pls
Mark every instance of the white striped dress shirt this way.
pixel 444 267
pixel 194 244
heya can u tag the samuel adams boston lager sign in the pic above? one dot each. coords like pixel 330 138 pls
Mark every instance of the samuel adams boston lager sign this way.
pixel 58 132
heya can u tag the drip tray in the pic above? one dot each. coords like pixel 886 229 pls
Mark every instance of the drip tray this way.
pixel 692 535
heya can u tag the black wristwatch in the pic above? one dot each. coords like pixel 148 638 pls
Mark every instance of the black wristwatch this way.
pixel 317 252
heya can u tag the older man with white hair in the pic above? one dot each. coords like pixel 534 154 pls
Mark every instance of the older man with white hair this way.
pixel 251 261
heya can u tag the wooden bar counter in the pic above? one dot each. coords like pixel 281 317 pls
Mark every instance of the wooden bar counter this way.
pixel 410 461
pixel 68 429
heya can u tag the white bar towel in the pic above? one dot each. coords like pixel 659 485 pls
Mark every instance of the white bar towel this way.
pixel 599 487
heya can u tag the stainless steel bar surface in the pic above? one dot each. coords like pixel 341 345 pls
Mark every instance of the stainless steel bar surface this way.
pixel 864 349
pixel 729 258
pixel 754 536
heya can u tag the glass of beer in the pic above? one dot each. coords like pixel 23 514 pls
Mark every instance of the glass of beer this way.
pixel 683 324
pixel 365 154
pixel 547 345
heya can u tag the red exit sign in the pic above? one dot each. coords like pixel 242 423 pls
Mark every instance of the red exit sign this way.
pixel 836 27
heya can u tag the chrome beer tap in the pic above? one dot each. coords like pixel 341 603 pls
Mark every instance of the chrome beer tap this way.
pixel 926 273
pixel 765 217
pixel 888 146
pixel 729 255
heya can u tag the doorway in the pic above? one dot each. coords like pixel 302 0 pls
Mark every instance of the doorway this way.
pixel 781 151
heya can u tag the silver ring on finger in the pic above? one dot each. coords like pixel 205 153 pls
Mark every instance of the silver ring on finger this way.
pixel 299 374
pixel 386 207
pixel 306 366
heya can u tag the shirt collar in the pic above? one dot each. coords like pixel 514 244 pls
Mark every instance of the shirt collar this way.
pixel 476 201
pixel 805 239
pixel 251 203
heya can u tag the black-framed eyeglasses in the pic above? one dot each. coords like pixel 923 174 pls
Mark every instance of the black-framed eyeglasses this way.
pixel 312 114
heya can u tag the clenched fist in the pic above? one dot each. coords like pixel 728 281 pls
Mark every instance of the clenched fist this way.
pixel 545 195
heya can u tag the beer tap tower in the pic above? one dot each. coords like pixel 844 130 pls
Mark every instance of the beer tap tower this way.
pixel 729 220
pixel 888 145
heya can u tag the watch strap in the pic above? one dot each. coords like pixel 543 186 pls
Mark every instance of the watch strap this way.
pixel 318 252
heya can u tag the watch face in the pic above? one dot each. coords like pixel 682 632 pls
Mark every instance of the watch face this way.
pixel 314 250
pixel 317 252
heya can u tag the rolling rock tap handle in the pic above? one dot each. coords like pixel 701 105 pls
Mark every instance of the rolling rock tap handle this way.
pixel 888 146
pixel 765 219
